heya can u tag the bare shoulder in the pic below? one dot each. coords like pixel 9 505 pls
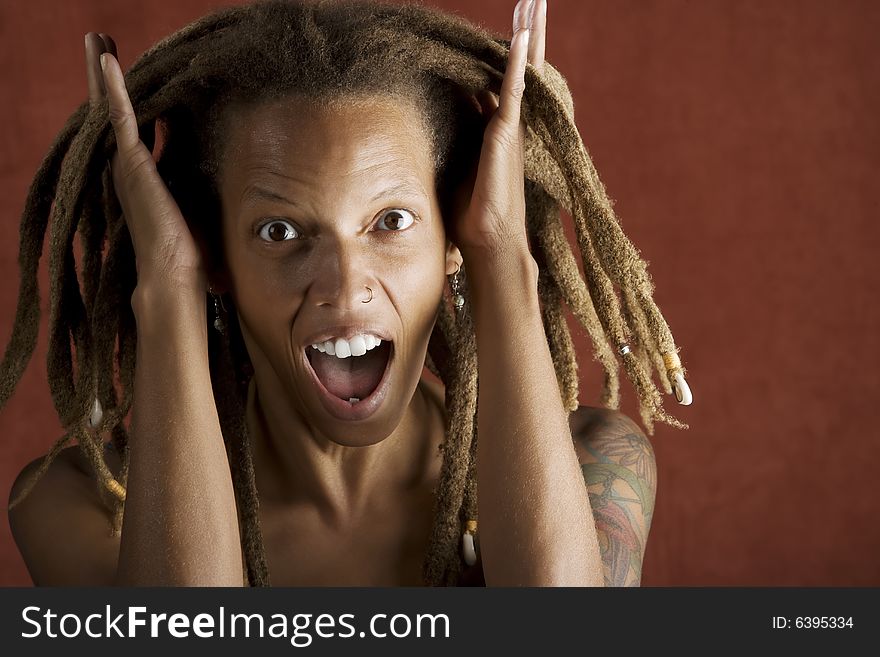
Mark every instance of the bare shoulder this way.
pixel 62 528
pixel 599 432
pixel 620 472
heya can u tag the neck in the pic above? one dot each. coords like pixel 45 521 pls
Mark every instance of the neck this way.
pixel 295 465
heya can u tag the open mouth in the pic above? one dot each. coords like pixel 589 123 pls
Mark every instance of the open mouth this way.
pixel 351 387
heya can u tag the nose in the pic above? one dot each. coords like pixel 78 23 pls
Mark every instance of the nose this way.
pixel 343 276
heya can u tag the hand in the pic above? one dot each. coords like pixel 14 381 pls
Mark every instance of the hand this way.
pixel 165 250
pixel 494 217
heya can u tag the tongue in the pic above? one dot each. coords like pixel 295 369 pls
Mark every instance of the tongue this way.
pixel 355 376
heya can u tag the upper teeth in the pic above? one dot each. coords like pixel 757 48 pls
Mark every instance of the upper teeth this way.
pixel 342 348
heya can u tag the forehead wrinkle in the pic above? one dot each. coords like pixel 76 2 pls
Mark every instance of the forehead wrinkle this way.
pixel 395 128
pixel 388 176
pixel 389 155
pixel 370 151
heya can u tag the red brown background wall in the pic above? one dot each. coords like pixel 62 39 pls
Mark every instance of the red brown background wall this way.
pixel 740 142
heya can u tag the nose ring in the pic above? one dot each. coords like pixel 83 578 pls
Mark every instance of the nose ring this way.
pixel 371 295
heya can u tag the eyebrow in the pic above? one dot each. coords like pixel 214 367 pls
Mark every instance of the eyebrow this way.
pixel 403 186
pixel 256 192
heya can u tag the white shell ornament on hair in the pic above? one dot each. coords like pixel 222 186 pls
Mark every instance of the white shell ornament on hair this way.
pixel 96 415
pixel 681 389
pixel 468 549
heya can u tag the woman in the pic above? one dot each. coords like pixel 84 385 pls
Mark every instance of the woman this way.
pixel 323 169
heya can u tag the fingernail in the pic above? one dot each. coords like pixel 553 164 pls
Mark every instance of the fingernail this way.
pixel 522 15
pixel 103 62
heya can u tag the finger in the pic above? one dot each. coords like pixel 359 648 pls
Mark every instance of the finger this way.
pixel 135 177
pixel 109 44
pixel 488 103
pixel 94 48
pixel 539 35
pixel 513 84
pixel 121 112
pixel 522 15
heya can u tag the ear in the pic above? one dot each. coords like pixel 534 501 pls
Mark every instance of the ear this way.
pixel 454 259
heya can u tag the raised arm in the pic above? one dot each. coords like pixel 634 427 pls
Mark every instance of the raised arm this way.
pixel 536 525
pixel 180 525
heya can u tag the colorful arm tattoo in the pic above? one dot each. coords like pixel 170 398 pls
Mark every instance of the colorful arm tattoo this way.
pixel 620 472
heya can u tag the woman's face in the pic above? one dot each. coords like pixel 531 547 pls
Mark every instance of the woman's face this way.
pixel 333 237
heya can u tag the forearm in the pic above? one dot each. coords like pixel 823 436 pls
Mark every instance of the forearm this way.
pixel 180 526
pixel 536 523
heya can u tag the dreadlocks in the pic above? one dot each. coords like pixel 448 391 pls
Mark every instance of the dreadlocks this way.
pixel 331 52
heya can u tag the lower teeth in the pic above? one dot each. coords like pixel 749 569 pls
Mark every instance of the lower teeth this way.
pixel 353 400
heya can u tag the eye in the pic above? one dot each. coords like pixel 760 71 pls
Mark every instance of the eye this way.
pixel 278 230
pixel 396 220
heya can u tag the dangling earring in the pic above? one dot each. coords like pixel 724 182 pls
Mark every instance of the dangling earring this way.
pixel 455 285
pixel 219 324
